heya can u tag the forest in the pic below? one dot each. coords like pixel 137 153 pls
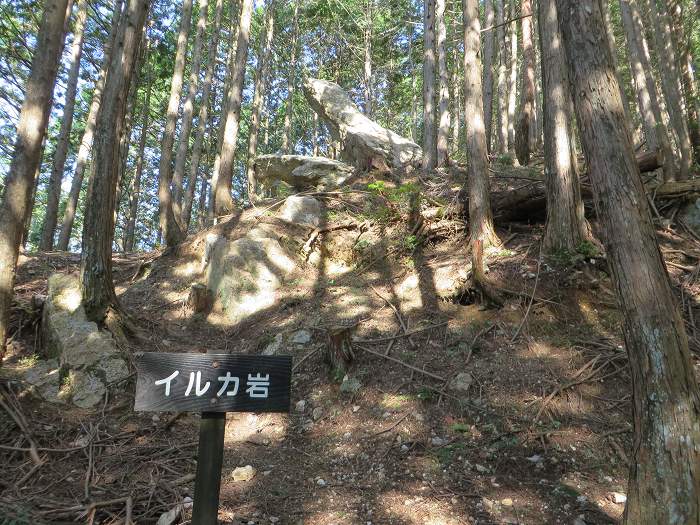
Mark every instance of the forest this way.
pixel 459 239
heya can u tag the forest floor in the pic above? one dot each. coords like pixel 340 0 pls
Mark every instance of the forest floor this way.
pixel 538 431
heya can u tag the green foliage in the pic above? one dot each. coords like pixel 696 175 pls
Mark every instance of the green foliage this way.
pixel 566 258
pixel 505 159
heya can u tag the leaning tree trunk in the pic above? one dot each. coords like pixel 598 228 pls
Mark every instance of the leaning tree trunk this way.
pixel 31 128
pixel 443 131
pixel 489 43
pixel 168 221
pixel 527 91
pixel 502 91
pixel 188 111
pixel 664 483
pixel 566 226
pixel 63 142
pixel 480 219
pixel 291 83
pixel 223 200
pixel 429 142
pixel 203 117
pixel 259 96
pixel 512 77
pixel 86 141
pixel 98 226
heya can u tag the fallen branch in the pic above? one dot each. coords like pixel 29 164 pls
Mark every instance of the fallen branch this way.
pixel 403 363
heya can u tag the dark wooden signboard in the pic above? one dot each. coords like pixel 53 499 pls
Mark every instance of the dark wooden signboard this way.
pixel 212 383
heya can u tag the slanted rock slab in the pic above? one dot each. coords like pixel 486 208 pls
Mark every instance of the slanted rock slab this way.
pixel 364 143
pixel 302 172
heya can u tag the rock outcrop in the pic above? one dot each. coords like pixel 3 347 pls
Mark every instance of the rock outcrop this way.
pixel 364 143
pixel 302 172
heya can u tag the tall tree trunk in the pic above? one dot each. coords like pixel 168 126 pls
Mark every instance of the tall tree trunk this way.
pixel 188 112
pixel 86 141
pixel 670 82
pixel 291 83
pixel 566 226
pixel 261 86
pixel 527 92
pixel 63 142
pixel 456 84
pixel 489 45
pixel 26 157
pixel 98 226
pixel 647 99
pixel 223 200
pixel 203 117
pixel 443 131
pixel 429 142
pixel 513 77
pixel 172 234
pixel 480 218
pixel 414 95
pixel 502 91
pixel 664 483
pixel 368 91
pixel 130 229
pixel 612 46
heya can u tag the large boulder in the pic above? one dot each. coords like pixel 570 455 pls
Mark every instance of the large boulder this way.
pixel 302 172
pixel 364 143
pixel 86 357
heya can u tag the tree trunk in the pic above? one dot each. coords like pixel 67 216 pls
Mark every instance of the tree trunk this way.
pixel 443 131
pixel 26 156
pixel 502 91
pixel 291 83
pixel 223 200
pixel 98 226
pixel 664 484
pixel 512 77
pixel 429 142
pixel 456 85
pixel 203 117
pixel 480 219
pixel 612 46
pixel 527 91
pixel 489 44
pixel 86 141
pixel 188 112
pixel 670 83
pixel 368 91
pixel 63 142
pixel 414 95
pixel 566 226
pixel 261 86
pixel 172 234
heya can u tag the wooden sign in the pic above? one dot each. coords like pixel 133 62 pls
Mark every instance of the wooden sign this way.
pixel 212 382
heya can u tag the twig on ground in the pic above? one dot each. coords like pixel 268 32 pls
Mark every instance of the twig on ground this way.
pixel 385 339
pixel 402 363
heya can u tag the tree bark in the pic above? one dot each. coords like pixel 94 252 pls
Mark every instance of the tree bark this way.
pixel 26 156
pixel 456 118
pixel 480 218
pixel 527 92
pixel 98 226
pixel 368 90
pixel 429 142
pixel 502 91
pixel 489 44
pixel 664 483
pixel 63 142
pixel 443 132
pixel 260 88
pixel 203 117
pixel 188 112
pixel 223 200
pixel 512 77
pixel 291 83
pixel 172 234
pixel 86 141
pixel 566 226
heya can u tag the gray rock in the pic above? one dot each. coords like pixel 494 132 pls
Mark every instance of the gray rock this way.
pixel 300 406
pixel 350 385
pixel 317 413
pixel 301 337
pixel 86 388
pixel 364 143
pixel 43 378
pixel 302 172
pixel 243 473
pixel 301 210
pixel 275 346
pixel 462 382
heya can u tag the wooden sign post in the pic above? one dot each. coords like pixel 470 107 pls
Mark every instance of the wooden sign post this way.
pixel 212 384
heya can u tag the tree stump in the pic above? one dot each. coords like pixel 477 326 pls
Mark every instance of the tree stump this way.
pixel 487 294
pixel 338 352
pixel 199 299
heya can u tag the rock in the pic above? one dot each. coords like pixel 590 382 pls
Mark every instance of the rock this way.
pixel 300 406
pixel 321 482
pixel 43 378
pixel 481 469
pixel 275 346
pixel 438 441
pixel 462 382
pixel 301 210
pixel 302 172
pixel 690 215
pixel 87 357
pixel 579 520
pixel 507 502
pixel 581 500
pixel 618 497
pixel 170 517
pixel 317 413
pixel 350 385
pixel 301 337
pixel 364 143
pixel 243 473
pixel 258 439
pixel 535 459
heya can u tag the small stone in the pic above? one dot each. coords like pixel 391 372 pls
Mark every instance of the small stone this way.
pixel 243 473
pixel 321 482
pixel 350 385
pixel 438 441
pixel 580 520
pixel 300 406
pixel 274 519
pixel 347 435
pixel 301 337
pixel 618 497
pixel 258 439
pixel 582 500
pixel 404 448
pixel 481 468
pixel 275 346
pixel 462 382
pixel 187 502
pixel 317 413
pixel 507 502
pixel 355 408
pixel 535 459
